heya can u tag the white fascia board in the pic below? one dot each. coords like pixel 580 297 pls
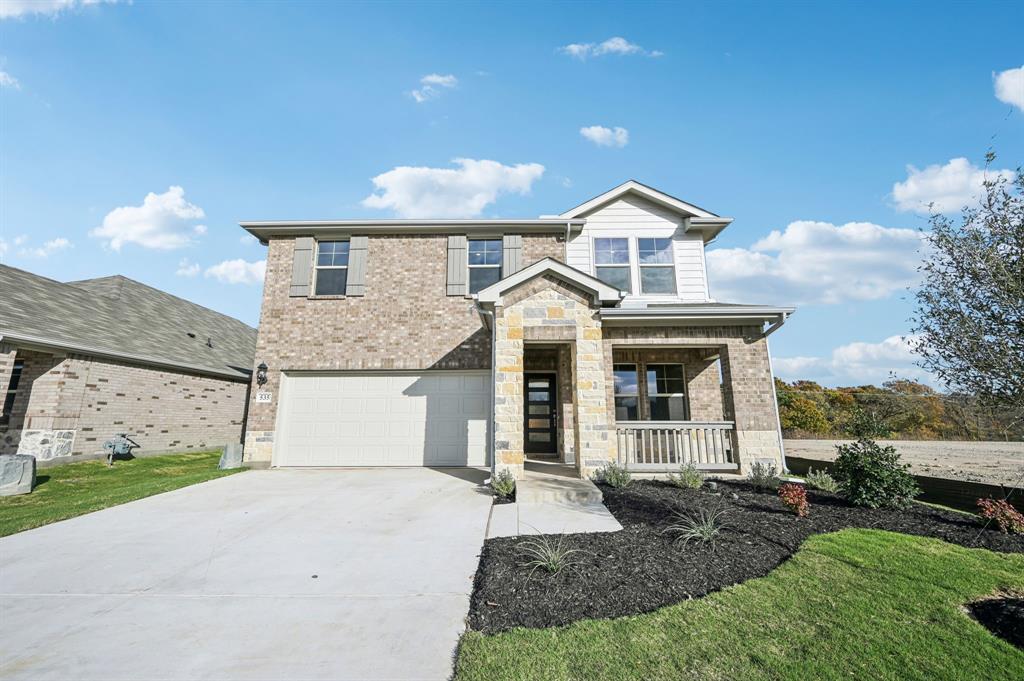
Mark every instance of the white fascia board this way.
pixel 649 193
pixel 264 229
pixel 602 291
pixel 709 228
pixel 734 315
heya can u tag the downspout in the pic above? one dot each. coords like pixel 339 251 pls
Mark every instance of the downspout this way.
pixel 775 398
pixel 489 315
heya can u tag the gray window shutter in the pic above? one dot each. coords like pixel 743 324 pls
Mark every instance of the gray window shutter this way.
pixel 356 283
pixel 302 266
pixel 511 254
pixel 457 265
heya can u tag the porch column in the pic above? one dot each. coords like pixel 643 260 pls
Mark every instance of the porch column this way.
pixel 750 400
pixel 508 391
pixel 594 415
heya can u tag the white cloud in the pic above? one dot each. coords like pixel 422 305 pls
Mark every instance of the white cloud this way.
pixel 186 268
pixel 817 262
pixel 463 192
pixel 432 85
pixel 944 189
pixel 46 250
pixel 163 221
pixel 616 45
pixel 1009 86
pixel 7 80
pixel 10 9
pixel 238 271
pixel 606 137
pixel 857 363
pixel 21 239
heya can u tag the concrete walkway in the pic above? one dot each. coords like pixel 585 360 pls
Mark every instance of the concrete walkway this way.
pixel 339 574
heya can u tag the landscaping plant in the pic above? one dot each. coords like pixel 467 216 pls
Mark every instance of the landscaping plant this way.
pixel 688 477
pixel 821 480
pixel 614 475
pixel 871 475
pixel 763 476
pixel 548 553
pixel 702 528
pixel 1008 519
pixel 795 498
pixel 503 484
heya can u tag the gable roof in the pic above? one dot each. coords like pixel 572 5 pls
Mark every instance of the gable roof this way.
pixel 602 291
pixel 122 318
pixel 649 193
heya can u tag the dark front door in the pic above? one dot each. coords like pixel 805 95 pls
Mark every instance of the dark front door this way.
pixel 540 414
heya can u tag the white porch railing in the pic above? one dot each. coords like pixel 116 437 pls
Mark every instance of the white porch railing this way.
pixel 658 446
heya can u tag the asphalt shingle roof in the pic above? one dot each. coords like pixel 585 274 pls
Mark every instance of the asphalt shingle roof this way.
pixel 119 316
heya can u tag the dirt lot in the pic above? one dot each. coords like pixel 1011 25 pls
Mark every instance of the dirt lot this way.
pixel 992 462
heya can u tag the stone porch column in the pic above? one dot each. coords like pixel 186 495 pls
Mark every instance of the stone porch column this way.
pixel 749 398
pixel 508 392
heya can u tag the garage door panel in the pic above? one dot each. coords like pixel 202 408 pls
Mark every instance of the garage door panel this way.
pixel 398 419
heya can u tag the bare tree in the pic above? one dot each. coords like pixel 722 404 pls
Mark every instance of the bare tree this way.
pixel 969 318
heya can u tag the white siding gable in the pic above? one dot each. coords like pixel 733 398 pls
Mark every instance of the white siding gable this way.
pixel 632 217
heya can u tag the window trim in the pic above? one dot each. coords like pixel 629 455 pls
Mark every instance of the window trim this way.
pixel 469 267
pixel 628 265
pixel 317 267
pixel 11 393
pixel 670 264
pixel 649 395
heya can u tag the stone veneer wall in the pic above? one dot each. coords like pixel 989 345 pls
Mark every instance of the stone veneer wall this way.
pixel 547 310
pixel 71 404
pixel 405 320
pixel 746 378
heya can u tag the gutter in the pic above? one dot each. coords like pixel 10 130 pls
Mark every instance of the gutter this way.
pixel 484 316
pixel 241 376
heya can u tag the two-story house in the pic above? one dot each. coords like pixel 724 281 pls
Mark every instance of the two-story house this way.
pixel 586 337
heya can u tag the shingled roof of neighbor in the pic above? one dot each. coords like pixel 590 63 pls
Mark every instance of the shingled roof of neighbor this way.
pixel 119 317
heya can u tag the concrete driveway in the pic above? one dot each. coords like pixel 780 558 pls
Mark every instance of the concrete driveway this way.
pixel 300 574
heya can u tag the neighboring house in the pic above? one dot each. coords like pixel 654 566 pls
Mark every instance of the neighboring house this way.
pixel 586 337
pixel 84 360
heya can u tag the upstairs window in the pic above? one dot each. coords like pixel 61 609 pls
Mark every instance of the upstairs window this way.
pixel 611 263
pixel 12 391
pixel 484 263
pixel 627 392
pixel 657 272
pixel 331 268
pixel 666 387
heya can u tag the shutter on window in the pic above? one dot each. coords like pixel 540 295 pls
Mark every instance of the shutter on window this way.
pixel 356 284
pixel 302 266
pixel 511 254
pixel 457 265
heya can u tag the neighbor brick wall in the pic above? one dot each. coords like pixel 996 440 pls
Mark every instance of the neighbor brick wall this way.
pixel 161 410
pixel 405 320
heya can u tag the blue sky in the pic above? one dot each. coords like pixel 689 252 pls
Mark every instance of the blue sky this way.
pixel 822 129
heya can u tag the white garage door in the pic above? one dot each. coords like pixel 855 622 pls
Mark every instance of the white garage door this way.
pixel 436 418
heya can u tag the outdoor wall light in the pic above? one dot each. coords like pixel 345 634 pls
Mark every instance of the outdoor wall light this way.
pixel 261 374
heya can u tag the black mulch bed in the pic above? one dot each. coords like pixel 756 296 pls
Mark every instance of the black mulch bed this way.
pixel 640 568
pixel 1004 617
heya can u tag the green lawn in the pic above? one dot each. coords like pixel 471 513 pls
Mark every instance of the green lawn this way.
pixel 75 488
pixel 856 604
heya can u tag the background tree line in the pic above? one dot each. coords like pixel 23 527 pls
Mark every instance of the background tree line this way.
pixel 899 409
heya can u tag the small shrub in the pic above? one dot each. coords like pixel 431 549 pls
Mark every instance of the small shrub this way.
pixel 688 477
pixel 1009 519
pixel 702 528
pixel 763 476
pixel 871 475
pixel 547 553
pixel 503 484
pixel 614 475
pixel 821 480
pixel 795 498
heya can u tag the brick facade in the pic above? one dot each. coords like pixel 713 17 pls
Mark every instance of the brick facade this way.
pixel 405 320
pixel 68 405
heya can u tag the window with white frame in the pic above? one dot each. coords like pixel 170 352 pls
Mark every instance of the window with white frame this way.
pixel 484 257
pixel 666 392
pixel 611 262
pixel 331 268
pixel 12 392
pixel 627 392
pixel 657 271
